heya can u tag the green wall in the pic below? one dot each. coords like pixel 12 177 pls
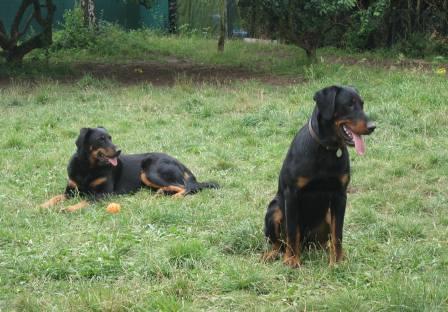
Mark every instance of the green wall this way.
pixel 129 16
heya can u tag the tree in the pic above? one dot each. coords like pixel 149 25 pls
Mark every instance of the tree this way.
pixel 17 45
pixel 88 9
pixel 415 25
pixel 222 25
pixel 172 16
pixel 301 22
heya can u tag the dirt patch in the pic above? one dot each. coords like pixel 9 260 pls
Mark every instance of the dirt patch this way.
pixel 165 73
pixel 418 65
pixel 172 70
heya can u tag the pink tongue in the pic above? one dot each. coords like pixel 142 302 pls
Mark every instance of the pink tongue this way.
pixel 113 161
pixel 359 144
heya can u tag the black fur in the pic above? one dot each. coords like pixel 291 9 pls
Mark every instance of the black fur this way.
pixel 311 197
pixel 98 169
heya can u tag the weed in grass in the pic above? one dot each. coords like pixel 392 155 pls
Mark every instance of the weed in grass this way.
pixel 14 142
pixel 42 99
pixel 15 102
pixel 242 238
pixel 163 302
pixel 189 254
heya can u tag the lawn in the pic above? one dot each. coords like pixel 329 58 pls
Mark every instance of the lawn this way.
pixel 203 252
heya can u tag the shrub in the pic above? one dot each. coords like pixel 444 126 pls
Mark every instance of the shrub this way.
pixel 73 33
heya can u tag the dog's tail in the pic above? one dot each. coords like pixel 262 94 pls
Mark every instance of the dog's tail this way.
pixel 193 186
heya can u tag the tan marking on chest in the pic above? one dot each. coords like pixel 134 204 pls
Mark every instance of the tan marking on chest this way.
pixel 97 182
pixel 302 182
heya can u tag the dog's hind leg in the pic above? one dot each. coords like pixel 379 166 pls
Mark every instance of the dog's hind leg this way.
pixel 293 231
pixel 273 221
pixel 154 182
pixel 337 210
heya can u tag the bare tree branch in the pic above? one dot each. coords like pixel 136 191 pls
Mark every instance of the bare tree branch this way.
pixel 27 25
pixel 18 18
pixel 12 50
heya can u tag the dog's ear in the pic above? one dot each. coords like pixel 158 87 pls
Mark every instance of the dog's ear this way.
pixel 325 99
pixel 354 89
pixel 83 135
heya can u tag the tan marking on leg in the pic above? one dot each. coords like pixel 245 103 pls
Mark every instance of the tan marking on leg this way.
pixel 98 181
pixel 277 217
pixel 160 192
pixel 335 245
pixel 345 178
pixel 302 182
pixel 292 254
pixel 328 217
pixel 177 190
pixel 173 189
pixel 53 201
pixel 147 182
pixel 76 207
pixel 273 253
pixel 180 194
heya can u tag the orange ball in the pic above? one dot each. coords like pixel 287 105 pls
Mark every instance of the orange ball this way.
pixel 113 208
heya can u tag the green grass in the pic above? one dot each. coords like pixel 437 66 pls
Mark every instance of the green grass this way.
pixel 203 252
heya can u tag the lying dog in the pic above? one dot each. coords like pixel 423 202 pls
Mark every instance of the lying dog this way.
pixel 312 190
pixel 98 169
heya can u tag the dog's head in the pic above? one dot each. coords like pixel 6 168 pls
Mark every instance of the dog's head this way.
pixel 344 107
pixel 96 145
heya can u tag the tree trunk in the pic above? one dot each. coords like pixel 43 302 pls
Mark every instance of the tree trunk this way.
pixel 222 26
pixel 88 8
pixel 172 16
pixel 311 54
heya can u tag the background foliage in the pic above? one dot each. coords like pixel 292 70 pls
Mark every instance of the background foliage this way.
pixel 414 27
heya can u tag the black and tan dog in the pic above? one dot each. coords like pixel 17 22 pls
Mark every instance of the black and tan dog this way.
pixel 98 169
pixel 312 190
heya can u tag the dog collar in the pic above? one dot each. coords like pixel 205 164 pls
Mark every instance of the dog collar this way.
pixel 316 138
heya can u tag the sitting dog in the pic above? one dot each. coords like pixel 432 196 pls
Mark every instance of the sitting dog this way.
pixel 98 169
pixel 312 189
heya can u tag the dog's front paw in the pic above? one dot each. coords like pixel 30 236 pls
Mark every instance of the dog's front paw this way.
pixel 336 258
pixel 292 262
pixel 76 207
pixel 269 256
pixel 160 192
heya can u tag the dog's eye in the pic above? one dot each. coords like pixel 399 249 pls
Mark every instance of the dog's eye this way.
pixel 110 138
pixel 102 138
